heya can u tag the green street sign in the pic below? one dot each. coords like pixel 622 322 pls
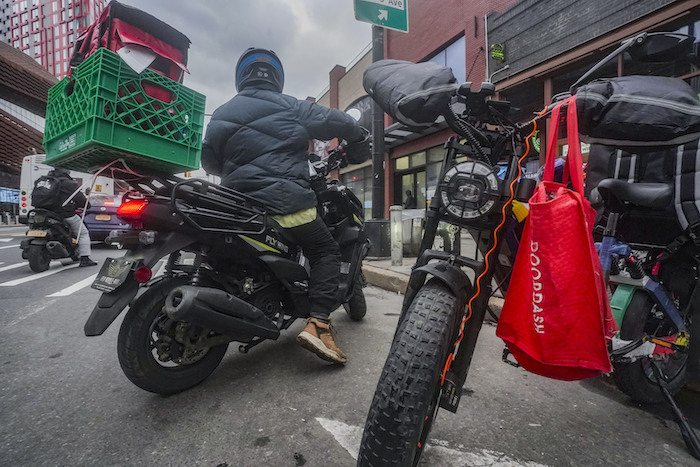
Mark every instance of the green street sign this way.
pixel 390 14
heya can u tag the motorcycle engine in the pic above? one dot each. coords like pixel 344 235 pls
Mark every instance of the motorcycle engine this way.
pixel 268 300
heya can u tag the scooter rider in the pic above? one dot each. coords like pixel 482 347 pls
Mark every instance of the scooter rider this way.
pixel 258 143
pixel 68 186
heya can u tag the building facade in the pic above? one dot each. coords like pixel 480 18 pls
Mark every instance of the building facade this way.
pixel 530 49
pixel 24 87
pixel 46 30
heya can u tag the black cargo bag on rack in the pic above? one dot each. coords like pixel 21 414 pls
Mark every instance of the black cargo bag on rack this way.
pixel 414 94
pixel 637 112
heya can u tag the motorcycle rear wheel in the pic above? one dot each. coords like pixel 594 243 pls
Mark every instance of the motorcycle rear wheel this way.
pixel 637 379
pixel 146 324
pixel 39 258
pixel 356 307
pixel 406 399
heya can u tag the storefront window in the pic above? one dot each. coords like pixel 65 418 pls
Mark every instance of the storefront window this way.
pixel 360 183
pixel 453 57
pixel 402 163
pixel 418 159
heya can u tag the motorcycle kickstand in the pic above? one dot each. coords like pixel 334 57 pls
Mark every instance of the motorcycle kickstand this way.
pixel 691 440
pixel 253 342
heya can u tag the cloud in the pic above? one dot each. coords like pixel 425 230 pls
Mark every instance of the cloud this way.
pixel 309 36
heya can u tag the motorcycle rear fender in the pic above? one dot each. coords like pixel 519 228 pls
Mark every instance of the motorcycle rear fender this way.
pixel 27 242
pixel 111 304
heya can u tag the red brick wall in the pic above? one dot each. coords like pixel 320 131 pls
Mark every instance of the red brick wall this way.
pixel 434 23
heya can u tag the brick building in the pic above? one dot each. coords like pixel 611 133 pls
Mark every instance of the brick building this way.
pixel 531 50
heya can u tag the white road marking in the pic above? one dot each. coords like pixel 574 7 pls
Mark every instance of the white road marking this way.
pixel 75 287
pixel 6 239
pixel 55 267
pixel 14 266
pixel 34 310
pixel 436 452
pixel 10 246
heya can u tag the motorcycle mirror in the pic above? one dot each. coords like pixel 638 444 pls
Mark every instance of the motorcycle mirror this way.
pixel 662 47
pixel 355 113
pixel 646 47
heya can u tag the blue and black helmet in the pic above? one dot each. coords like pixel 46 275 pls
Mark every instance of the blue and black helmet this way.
pixel 259 66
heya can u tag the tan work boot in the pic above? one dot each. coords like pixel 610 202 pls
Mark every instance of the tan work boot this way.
pixel 318 337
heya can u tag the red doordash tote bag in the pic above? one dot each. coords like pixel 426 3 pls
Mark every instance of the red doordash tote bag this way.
pixel 556 320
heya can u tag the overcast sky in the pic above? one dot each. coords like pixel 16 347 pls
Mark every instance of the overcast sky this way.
pixel 309 36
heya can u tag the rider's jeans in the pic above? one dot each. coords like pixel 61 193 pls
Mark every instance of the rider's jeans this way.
pixel 76 223
pixel 322 251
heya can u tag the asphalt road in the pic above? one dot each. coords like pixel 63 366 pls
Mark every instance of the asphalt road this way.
pixel 65 402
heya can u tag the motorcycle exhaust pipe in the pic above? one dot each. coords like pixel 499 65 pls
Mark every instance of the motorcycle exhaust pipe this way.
pixel 57 249
pixel 219 311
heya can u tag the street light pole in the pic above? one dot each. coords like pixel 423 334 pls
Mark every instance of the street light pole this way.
pixel 377 134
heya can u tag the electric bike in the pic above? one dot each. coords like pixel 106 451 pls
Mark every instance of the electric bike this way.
pixel 443 309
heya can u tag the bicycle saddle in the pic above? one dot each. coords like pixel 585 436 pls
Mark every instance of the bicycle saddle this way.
pixel 646 195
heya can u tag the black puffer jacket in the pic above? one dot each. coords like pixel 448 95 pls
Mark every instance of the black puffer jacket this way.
pixel 258 143
pixel 68 186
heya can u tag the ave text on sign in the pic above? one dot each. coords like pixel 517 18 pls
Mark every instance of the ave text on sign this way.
pixel 390 14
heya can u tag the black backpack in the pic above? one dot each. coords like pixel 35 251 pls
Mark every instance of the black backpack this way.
pixel 46 192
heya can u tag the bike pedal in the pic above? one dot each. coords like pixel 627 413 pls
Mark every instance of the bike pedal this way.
pixel 451 394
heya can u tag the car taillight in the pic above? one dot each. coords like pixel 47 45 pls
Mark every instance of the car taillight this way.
pixel 132 208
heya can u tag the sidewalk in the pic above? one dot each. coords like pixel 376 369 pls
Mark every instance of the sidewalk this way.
pixel 379 272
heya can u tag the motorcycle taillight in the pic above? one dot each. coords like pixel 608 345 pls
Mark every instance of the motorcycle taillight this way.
pixel 132 208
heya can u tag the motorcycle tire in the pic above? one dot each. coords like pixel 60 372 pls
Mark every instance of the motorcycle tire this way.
pixel 636 379
pixel 356 307
pixel 135 347
pixel 407 396
pixel 39 258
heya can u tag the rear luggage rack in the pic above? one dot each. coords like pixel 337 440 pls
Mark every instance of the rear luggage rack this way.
pixel 214 208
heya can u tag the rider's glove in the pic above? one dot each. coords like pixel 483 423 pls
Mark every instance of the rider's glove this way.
pixel 359 151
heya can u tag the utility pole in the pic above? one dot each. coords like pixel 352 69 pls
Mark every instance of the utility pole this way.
pixel 377 134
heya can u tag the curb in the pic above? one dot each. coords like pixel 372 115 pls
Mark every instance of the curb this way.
pixel 385 279
pixel 397 282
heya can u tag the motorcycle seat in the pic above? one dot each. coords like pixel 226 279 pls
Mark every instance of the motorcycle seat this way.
pixel 655 196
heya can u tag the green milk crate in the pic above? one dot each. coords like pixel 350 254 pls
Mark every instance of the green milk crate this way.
pixel 106 111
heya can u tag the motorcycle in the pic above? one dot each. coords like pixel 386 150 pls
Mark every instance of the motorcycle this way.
pixel 49 237
pixel 443 310
pixel 229 274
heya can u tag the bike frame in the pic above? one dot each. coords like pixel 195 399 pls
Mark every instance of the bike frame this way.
pixel 447 267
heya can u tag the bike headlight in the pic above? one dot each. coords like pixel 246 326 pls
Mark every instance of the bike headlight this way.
pixel 470 190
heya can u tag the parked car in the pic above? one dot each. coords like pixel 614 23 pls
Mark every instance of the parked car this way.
pixel 101 216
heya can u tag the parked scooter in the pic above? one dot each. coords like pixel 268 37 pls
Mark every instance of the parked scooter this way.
pixel 49 237
pixel 229 274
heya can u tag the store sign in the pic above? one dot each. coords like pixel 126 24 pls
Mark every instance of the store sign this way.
pixel 390 14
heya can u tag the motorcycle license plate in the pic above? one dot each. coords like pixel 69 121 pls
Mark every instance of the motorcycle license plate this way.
pixel 36 233
pixel 113 274
pixel 103 217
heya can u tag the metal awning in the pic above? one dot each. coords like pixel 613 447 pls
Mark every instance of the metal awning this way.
pixel 397 133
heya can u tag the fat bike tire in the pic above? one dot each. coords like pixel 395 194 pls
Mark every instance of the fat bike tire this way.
pixel 406 399
pixel 636 379
pixel 356 307
pixel 135 352
pixel 39 258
